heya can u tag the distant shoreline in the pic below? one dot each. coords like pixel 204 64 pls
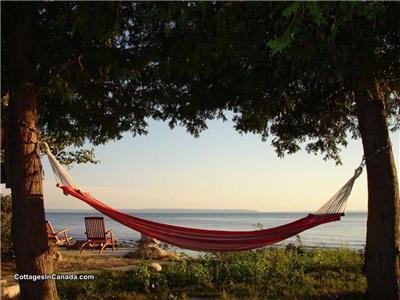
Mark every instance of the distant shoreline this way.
pixel 161 210
pixel 173 210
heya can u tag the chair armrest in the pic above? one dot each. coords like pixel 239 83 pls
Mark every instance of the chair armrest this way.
pixel 62 231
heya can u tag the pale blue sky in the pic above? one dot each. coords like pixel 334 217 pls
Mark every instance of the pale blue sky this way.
pixel 220 170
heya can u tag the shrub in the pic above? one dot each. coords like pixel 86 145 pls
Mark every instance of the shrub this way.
pixel 6 213
pixel 259 274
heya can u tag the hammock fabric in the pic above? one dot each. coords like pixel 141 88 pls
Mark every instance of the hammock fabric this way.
pixel 209 240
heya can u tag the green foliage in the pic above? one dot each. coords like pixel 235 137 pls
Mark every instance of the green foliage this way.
pixel 72 59
pixel 68 157
pixel 282 42
pixel 6 215
pixel 260 274
pixel 302 93
pixel 286 70
pixel 291 11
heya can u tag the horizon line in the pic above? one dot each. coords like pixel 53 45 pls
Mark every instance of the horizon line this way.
pixel 190 210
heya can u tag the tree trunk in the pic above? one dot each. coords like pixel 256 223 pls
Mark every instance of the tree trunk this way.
pixel 23 161
pixel 383 226
pixel 28 218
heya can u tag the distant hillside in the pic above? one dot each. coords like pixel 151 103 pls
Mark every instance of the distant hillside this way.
pixel 160 210
pixel 182 210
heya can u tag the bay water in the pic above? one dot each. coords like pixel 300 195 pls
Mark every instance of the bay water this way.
pixel 350 232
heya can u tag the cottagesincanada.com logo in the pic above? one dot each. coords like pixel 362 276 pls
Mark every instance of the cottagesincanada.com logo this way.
pixel 31 277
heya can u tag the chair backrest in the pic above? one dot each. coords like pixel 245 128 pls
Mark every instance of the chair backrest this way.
pixel 50 231
pixel 95 228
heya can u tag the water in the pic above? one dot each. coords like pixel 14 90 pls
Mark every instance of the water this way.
pixel 350 232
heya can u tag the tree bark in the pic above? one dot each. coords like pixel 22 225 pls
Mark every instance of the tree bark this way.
pixel 383 226
pixel 23 161
pixel 28 218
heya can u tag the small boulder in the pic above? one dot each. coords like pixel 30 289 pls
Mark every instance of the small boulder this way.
pixel 11 291
pixel 152 252
pixel 147 241
pixel 156 266
pixel 57 256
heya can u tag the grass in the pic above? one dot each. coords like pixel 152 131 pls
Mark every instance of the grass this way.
pixel 261 274
pixel 76 262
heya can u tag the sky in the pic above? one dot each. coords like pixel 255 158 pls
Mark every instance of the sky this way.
pixel 170 169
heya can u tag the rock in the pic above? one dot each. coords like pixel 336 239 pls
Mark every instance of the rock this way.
pixel 155 251
pixel 10 291
pixel 156 266
pixel 147 241
pixel 162 254
pixel 172 256
pixel 57 256
pixel 151 252
pixel 149 248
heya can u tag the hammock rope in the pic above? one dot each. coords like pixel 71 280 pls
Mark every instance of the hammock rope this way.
pixel 202 239
pixel 337 203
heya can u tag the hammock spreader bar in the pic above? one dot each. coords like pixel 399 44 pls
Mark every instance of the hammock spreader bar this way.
pixel 209 240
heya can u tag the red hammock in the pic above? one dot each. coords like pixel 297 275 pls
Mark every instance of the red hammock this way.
pixel 209 240
pixel 201 239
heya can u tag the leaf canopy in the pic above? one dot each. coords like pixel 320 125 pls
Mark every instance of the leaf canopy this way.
pixel 285 70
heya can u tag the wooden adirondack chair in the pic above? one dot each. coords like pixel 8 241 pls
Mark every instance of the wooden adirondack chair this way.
pixel 97 235
pixel 52 235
